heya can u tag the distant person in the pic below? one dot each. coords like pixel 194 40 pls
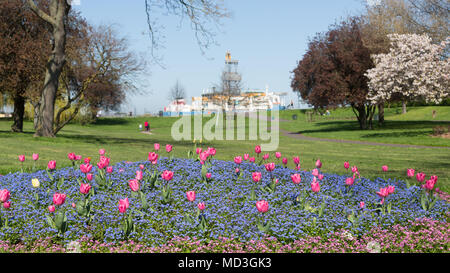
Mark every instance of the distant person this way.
pixel 140 127
pixel 327 112
pixel 147 126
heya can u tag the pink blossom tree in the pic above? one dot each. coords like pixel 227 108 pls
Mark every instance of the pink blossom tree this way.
pixel 414 68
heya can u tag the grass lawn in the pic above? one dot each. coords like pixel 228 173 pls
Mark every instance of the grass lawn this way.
pixel 123 141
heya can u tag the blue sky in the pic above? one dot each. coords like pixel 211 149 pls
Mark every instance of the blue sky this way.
pixel 267 37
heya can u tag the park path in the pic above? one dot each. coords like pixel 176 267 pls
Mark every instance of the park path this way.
pixel 298 135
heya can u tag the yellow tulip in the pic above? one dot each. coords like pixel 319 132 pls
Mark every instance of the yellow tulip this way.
pixel 35 183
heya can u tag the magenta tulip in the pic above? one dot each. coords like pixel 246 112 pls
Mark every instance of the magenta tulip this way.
pixel 420 177
pixel 109 169
pixel 346 165
pixel 152 157
pixel 211 151
pixel 201 206
pixel 315 187
pixel 89 176
pixel 284 161
pixel 277 154
pixel 410 172
pixel 246 156
pixel 349 181
pixel 85 168
pixel 51 208
pixel 266 156
pixel 296 160
pixel 315 172
pixel 156 146
pixel 59 199
pixel 198 151
pixel 318 164
pixel 434 178
pixel 296 178
pixel 72 156
pixel 208 175
pixel 238 160
pixel 134 184
pixel 168 148
pixel 384 168
pixel 429 184
pixel 361 204
pixel 51 165
pixel 390 189
pixel 354 169
pixel 262 206
pixel 7 205
pixel 251 159
pixel 85 188
pixel 190 196
pixel 256 176
pixel 383 192
pixel 4 195
pixel 270 166
pixel 123 205
pixel 35 157
pixel 167 175
pixel 257 149
pixel 21 158
pixel 139 175
pixel 101 152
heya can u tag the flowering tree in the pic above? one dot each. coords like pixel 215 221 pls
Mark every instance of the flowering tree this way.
pixel 414 68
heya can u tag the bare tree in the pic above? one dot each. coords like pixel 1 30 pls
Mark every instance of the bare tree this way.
pixel 177 92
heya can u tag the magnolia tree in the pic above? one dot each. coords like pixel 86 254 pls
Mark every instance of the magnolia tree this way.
pixel 414 68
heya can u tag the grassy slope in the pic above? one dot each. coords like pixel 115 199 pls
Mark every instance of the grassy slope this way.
pixel 123 141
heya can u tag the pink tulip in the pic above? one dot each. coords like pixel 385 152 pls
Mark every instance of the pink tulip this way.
pixel 238 160
pixel 89 176
pixel 190 196
pixel 59 199
pixel 277 154
pixel 434 178
pixel 78 157
pixel 384 168
pixel 208 175
pixel 251 159
pixel 156 146
pixel 237 170
pixel 152 157
pixel 346 165
pixel 51 208
pixel 201 206
pixel 198 150
pixel 320 176
pixel 134 184
pixel 349 181
pixel 315 187
pixel 167 175
pixel 270 166
pixel 266 156
pixel 101 152
pixel 246 156
pixel 87 160
pixel 4 195
pixel 315 172
pixel 296 160
pixel 296 178
pixel 256 176
pixel 284 160
pixel 109 169
pixel 85 168
pixel 410 172
pixel 257 149
pixel 262 206
pixel 168 148
pixel 35 157
pixel 105 160
pixel 139 175
pixel 72 156
pixel 74 205
pixel 420 177
pixel 203 156
pixel 85 188
pixel 354 169
pixel 21 158
pixel 7 205
pixel 123 205
pixel 101 165
pixel 51 165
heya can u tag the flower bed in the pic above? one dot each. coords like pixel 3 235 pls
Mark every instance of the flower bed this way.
pixel 152 202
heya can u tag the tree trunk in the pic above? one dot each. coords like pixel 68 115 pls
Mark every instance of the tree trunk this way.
pixel 403 107
pixel 18 113
pixel 59 10
pixel 361 116
pixel 381 113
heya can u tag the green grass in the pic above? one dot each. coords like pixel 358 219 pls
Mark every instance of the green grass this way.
pixel 123 141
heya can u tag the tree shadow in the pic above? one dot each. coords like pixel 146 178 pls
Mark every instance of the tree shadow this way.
pixel 111 121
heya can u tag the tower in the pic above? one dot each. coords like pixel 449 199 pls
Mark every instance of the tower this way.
pixel 231 79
